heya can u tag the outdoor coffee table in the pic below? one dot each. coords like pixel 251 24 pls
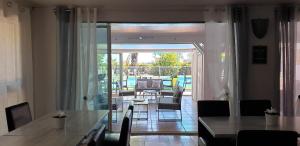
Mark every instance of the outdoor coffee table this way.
pixel 151 93
pixel 138 103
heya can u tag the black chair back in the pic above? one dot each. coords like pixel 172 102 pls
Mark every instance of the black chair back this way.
pixel 18 115
pixel 126 129
pixel 98 138
pixel 266 138
pixel 130 107
pixel 210 108
pixel 254 107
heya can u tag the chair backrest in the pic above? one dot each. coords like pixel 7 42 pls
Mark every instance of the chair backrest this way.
pixel 126 129
pixel 98 138
pixel 254 107
pixel 178 93
pixel 149 83
pixel 131 107
pixel 209 108
pixel 18 115
pixel 266 138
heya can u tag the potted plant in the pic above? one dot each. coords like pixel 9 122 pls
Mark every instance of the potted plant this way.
pixel 60 120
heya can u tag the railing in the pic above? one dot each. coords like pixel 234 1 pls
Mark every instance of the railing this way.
pixel 171 75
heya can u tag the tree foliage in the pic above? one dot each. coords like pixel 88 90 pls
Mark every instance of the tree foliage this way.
pixel 166 64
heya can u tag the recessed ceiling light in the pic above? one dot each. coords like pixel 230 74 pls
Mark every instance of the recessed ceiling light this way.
pixel 140 37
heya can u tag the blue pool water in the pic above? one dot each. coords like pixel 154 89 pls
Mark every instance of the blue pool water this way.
pixel 132 79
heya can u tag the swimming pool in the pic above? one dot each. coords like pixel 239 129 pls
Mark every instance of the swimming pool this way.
pixel 132 81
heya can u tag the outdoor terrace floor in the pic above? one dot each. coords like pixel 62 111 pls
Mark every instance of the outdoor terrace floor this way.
pixel 167 124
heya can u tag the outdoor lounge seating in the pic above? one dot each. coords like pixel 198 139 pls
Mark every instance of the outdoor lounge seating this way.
pixel 171 103
pixel 148 84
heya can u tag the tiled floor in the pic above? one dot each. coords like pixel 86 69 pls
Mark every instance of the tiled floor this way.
pixel 167 124
pixel 171 140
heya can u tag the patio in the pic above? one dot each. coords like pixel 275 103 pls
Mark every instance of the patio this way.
pixel 169 120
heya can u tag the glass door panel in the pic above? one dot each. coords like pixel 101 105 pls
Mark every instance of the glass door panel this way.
pixel 103 99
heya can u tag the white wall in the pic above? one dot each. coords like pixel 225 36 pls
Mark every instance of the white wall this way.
pixel 261 83
pixel 44 58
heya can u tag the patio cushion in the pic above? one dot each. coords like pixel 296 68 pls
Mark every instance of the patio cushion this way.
pixel 126 93
pixel 156 83
pixel 168 103
pixel 142 84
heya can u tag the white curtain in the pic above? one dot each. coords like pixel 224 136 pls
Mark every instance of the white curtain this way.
pixel 287 44
pixel 218 67
pixel 15 58
pixel 77 58
pixel 197 73
pixel 87 55
pixel 297 68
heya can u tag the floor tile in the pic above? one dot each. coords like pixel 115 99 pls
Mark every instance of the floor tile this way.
pixel 173 124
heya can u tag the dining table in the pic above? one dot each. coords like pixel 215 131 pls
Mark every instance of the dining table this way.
pixel 44 130
pixel 228 127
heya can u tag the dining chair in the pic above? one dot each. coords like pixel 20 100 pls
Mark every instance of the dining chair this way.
pixel 18 115
pixel 122 138
pixel 94 138
pixel 266 138
pixel 254 107
pixel 212 108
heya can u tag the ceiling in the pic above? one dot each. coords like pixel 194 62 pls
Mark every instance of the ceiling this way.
pixel 147 33
pixel 149 3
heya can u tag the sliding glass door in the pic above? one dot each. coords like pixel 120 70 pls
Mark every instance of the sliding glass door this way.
pixel 103 99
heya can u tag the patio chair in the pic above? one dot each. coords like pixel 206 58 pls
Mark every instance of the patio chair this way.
pixel 164 93
pixel 171 103
pixel 125 83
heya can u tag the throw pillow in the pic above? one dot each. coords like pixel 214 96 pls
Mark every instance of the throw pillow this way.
pixel 142 84
pixel 155 84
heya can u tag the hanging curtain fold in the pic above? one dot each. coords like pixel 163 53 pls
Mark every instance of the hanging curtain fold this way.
pixel 16 83
pixel 197 72
pixel 67 58
pixel 87 54
pixel 240 37
pixel 240 53
pixel 77 62
pixel 218 56
pixel 286 29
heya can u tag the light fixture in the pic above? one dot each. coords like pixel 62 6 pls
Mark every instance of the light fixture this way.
pixel 140 37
